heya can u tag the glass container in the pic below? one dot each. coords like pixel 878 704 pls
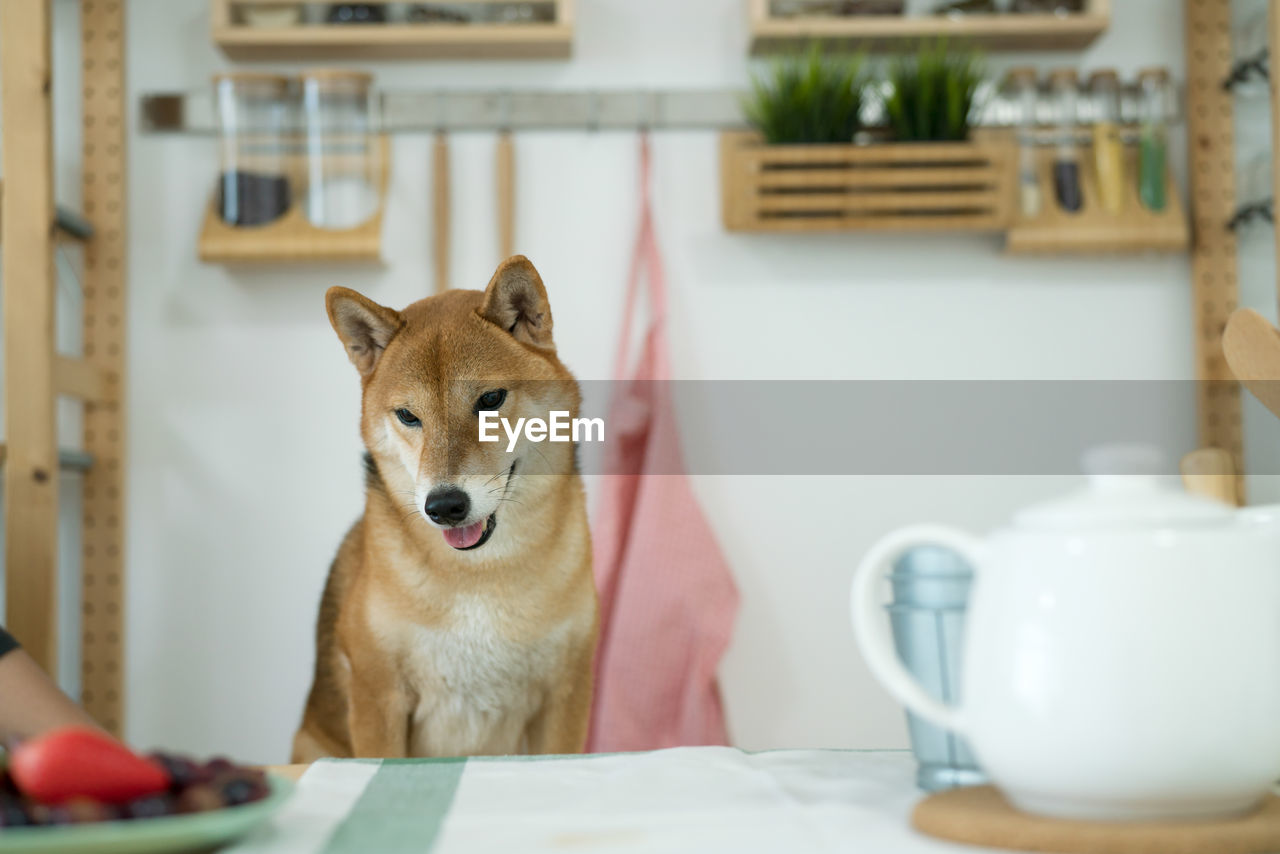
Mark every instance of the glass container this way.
pixel 356 13
pixel 254 119
pixel 1153 139
pixel 1023 88
pixel 1065 86
pixel 1108 150
pixel 442 13
pixel 964 7
pixel 343 159
pixel 930 598
pixel 271 15
pixel 1048 7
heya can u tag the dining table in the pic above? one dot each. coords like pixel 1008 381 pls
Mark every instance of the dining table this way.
pixel 686 799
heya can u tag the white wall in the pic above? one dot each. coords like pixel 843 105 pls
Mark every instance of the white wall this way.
pixel 243 469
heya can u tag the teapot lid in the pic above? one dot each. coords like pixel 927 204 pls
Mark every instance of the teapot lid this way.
pixel 1124 492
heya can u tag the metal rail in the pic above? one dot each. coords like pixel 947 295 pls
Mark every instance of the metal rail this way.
pixel 528 110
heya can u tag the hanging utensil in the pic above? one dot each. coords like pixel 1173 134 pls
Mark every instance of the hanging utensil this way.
pixel 504 174
pixel 1252 347
pixel 1210 472
pixel 440 210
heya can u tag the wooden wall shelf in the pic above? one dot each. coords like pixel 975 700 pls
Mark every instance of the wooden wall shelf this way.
pixel 1092 230
pixel 535 40
pixel 292 239
pixel 932 186
pixel 770 34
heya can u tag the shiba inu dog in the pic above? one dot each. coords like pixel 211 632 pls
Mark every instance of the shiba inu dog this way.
pixel 459 616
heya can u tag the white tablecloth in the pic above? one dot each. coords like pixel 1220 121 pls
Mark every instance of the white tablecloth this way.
pixel 702 799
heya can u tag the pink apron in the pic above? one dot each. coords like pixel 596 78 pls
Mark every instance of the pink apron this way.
pixel 667 598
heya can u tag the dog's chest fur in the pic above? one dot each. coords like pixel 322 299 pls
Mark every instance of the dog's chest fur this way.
pixel 476 688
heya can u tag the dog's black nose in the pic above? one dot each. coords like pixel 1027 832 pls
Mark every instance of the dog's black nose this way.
pixel 447 505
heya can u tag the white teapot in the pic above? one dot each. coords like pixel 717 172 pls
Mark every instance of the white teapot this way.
pixel 1122 652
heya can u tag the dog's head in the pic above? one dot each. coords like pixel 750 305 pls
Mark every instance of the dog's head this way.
pixel 427 373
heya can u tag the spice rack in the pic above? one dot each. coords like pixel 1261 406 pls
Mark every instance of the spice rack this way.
pixel 1001 31
pixel 307 35
pixel 947 186
pixel 1092 229
pixel 292 237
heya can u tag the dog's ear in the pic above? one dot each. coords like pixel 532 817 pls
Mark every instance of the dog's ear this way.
pixel 517 301
pixel 365 327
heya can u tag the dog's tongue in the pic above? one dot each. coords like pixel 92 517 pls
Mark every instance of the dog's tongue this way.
pixel 464 538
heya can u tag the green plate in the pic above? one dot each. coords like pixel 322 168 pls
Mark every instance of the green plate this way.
pixel 162 835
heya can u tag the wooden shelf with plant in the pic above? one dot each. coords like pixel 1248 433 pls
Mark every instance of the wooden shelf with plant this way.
pixel 992 30
pixel 928 169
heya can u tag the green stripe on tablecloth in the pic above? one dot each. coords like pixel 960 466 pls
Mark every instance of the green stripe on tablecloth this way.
pixel 401 809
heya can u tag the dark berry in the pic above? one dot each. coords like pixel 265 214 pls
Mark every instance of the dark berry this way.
pixel 181 770
pixel 59 815
pixel 219 765
pixel 237 791
pixel 152 806
pixel 13 815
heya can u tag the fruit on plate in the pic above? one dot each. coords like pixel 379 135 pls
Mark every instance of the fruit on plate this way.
pixel 79 776
pixel 78 762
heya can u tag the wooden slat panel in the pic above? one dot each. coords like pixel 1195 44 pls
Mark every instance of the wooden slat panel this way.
pixel 1214 271
pixel 979 176
pixel 31 470
pixel 977 222
pixel 933 153
pixel 873 202
pixel 102 540
pixel 876 187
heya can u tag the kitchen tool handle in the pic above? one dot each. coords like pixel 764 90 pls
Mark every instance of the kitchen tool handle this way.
pixel 1210 472
pixel 871 629
pixel 505 179
pixel 440 210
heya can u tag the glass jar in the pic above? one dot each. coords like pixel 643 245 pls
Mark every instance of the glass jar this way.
pixel 1065 86
pixel 271 15
pixel 1023 88
pixel 1048 7
pixel 1108 150
pixel 343 160
pixel 254 120
pixel 964 7
pixel 1153 139
pixel 356 13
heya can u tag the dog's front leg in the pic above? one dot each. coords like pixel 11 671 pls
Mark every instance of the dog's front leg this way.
pixel 378 715
pixel 561 725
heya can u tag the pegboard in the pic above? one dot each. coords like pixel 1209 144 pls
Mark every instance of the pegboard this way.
pixel 103 104
pixel 1215 277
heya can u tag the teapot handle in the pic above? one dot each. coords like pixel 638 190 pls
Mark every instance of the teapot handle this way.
pixel 869 625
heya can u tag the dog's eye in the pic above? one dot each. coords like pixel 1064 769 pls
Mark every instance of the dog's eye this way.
pixel 407 418
pixel 491 400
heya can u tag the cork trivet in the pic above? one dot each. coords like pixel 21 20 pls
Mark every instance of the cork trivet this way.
pixel 981 816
